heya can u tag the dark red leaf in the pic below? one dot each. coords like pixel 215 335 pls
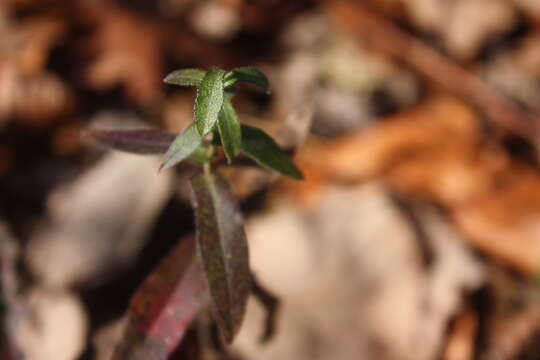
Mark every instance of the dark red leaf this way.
pixel 164 306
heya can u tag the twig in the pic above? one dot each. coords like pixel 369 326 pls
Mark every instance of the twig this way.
pixel 410 213
pixel 270 304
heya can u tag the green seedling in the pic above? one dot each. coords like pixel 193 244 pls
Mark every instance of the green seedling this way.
pixel 221 242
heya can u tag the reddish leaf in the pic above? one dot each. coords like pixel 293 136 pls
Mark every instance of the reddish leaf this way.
pixel 223 251
pixel 142 141
pixel 164 306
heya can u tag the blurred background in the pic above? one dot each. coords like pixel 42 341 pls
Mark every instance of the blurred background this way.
pixel 416 234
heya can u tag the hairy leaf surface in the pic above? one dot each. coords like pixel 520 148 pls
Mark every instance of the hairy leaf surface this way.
pixel 230 131
pixel 260 147
pixel 209 100
pixel 182 147
pixel 185 77
pixel 223 251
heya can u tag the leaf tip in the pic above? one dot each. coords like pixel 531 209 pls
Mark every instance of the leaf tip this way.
pixel 294 173
pixel 299 176
pixel 164 166
pixel 167 78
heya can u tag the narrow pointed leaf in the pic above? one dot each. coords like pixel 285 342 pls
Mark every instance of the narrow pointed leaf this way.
pixel 164 307
pixel 230 131
pixel 261 148
pixel 185 77
pixel 229 94
pixel 182 147
pixel 247 74
pixel 209 100
pixel 223 251
pixel 143 141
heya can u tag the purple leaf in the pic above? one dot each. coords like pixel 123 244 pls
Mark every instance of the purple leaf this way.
pixel 223 251
pixel 138 141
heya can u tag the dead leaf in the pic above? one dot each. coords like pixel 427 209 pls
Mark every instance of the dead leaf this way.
pixel 27 91
pixel 451 21
pixel 105 215
pixel 461 342
pixel 437 152
pixel 56 328
pixel 127 51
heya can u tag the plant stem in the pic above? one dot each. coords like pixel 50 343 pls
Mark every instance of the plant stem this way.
pixel 207 166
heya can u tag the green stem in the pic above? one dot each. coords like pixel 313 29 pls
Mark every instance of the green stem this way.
pixel 207 166
pixel 207 169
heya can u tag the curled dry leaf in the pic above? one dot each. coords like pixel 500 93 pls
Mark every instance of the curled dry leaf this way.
pixel 164 306
pixel 223 251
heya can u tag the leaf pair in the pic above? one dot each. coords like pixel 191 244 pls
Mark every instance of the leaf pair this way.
pixel 210 90
pixel 213 106
pixel 221 242
pixel 255 144
pixel 194 77
pixel 170 298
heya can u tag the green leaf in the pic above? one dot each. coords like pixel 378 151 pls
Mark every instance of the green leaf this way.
pixel 230 131
pixel 229 94
pixel 185 77
pixel 223 251
pixel 260 147
pixel 138 141
pixel 182 147
pixel 247 74
pixel 209 100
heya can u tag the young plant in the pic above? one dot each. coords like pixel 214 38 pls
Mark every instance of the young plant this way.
pixel 220 239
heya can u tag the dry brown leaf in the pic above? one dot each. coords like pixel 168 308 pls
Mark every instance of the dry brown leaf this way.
pixel 56 328
pixel 506 222
pixel 529 8
pixel 338 270
pixel 27 91
pixel 115 202
pixel 437 152
pixel 452 20
pixel 127 50
pixel 429 149
pixel 510 336
pixel 461 342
